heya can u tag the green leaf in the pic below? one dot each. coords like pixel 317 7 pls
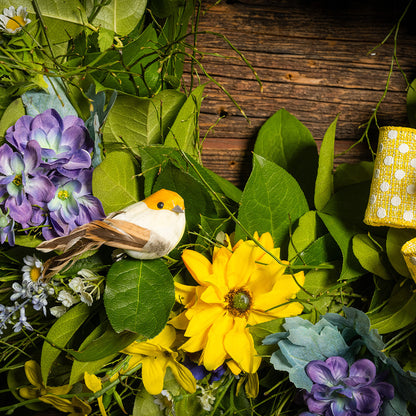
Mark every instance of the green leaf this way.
pixel 399 312
pixel 137 122
pixel 119 16
pixel 139 296
pixel 105 38
pixel 13 112
pixel 115 183
pixel 350 174
pixel 184 132
pixel 27 240
pixel 272 201
pixel 369 255
pixel 396 237
pixel 104 346
pixel 324 249
pixel 79 367
pixel 59 335
pixel 324 185
pixel 284 140
pixel 411 104
pixel 343 232
pixel 37 102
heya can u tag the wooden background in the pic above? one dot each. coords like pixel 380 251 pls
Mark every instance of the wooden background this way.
pixel 313 60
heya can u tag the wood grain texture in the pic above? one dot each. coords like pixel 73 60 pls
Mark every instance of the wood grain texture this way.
pixel 313 59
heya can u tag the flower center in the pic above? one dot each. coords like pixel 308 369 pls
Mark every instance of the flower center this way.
pixel 238 302
pixel 15 22
pixel 18 180
pixel 63 195
pixel 35 274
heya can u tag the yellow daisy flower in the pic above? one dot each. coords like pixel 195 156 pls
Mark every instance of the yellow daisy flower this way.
pixel 241 287
pixel 156 356
pixel 12 20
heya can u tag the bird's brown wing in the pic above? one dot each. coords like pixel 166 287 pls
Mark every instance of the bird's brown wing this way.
pixel 91 236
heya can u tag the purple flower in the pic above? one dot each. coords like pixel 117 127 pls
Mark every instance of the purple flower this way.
pixel 65 142
pixel 72 205
pixel 22 183
pixel 340 390
pixel 200 372
pixel 6 228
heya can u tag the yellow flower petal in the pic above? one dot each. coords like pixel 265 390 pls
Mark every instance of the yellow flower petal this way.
pixel 240 265
pixel 59 390
pixel 213 295
pixel 183 376
pixel 153 374
pixel 75 407
pixel 33 373
pixel 214 351
pixel 240 346
pixel 179 321
pixel 29 392
pixel 198 265
pixel 197 342
pixel 92 382
pixel 233 366
pixel 205 319
pixel 184 294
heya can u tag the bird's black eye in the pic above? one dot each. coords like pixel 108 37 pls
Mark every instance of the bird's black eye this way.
pixel 160 205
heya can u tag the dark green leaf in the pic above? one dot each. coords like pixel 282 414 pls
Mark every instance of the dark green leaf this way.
pixel 284 140
pixel 349 174
pixel 396 237
pixel 271 202
pixel 139 296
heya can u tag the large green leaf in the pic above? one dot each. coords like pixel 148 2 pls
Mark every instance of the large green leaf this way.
pixel 119 16
pixel 284 140
pixel 139 296
pixel 272 201
pixel 352 173
pixel 399 312
pixel 136 122
pixel 115 183
pixel 59 335
pixel 184 132
pixel 324 185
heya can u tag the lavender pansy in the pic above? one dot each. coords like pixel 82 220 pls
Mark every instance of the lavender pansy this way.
pixel 340 390
pixel 22 182
pixel 65 142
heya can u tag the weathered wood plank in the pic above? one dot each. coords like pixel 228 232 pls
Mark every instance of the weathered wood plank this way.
pixel 313 60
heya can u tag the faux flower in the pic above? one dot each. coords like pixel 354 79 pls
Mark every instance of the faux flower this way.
pixel 39 388
pixel 65 142
pixel 340 389
pixel 6 228
pixel 12 20
pixel 22 183
pixel 241 287
pixel 156 356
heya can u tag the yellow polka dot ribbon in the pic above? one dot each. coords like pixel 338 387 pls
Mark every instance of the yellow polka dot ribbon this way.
pixel 392 199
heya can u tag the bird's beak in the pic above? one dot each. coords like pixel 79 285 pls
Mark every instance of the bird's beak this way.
pixel 177 209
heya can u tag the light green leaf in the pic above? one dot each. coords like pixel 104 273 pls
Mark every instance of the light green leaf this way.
pixel 369 255
pixel 27 240
pixel 119 16
pixel 59 335
pixel 105 38
pixel 411 104
pixel 324 185
pixel 284 140
pixel 136 122
pixel 79 367
pixel 272 201
pixel 139 296
pixel 13 112
pixel 396 237
pixel 184 132
pixel 399 312
pixel 144 404
pixel 343 232
pixel 114 181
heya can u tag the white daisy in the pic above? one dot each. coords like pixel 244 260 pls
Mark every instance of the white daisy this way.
pixel 32 269
pixel 12 20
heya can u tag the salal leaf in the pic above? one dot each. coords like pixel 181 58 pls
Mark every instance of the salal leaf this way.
pixel 348 174
pixel 370 255
pixel 114 181
pixel 284 140
pixel 184 132
pixel 272 201
pixel 11 114
pixel 324 186
pixel 396 237
pixel 59 335
pixel 139 296
pixel 119 16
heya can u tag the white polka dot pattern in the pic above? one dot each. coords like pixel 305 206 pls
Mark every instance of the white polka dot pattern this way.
pixel 392 200
pixel 409 254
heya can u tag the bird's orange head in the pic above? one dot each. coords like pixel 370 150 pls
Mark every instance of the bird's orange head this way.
pixel 165 199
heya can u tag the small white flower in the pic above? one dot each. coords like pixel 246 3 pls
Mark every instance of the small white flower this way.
pixel 86 298
pixel 66 298
pixel 57 311
pixel 165 401
pixel 77 285
pixel 207 399
pixel 12 20
pixel 87 274
pixel 33 266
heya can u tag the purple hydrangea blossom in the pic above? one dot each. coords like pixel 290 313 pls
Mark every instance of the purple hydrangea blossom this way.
pixel 6 228
pixel 343 390
pixel 65 142
pixel 22 181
